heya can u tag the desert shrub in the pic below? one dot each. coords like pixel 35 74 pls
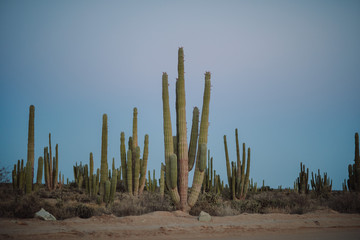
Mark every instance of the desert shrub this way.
pixel 84 211
pixel 147 202
pixel 26 206
pixel 345 202
pixel 211 203
pixel 247 206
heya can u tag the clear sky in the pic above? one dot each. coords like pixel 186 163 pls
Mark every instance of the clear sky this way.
pixel 285 73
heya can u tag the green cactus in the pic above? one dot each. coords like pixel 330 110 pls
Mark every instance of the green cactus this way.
pixel 302 180
pixel 104 164
pixel 91 175
pixel 28 176
pixel 178 187
pixel 238 178
pixel 134 166
pixel 39 173
pixel 113 185
pixel 107 190
pixel 31 137
pixel 162 180
pixel 129 172
pixel 123 158
pixel 321 185
pixel 353 183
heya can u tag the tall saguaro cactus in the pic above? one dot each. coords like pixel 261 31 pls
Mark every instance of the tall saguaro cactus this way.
pixel 31 141
pixel 104 164
pixel 354 169
pixel 177 162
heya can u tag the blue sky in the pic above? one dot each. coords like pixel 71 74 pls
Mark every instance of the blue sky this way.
pixel 285 73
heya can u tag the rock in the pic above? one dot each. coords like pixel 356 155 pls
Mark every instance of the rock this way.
pixel 204 217
pixel 44 215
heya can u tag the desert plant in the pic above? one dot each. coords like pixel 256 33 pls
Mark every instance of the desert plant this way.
pixel 353 182
pixel 51 165
pixel 133 168
pixel 321 185
pixel 31 137
pixel 180 160
pixel 104 164
pixel 302 180
pixel 238 179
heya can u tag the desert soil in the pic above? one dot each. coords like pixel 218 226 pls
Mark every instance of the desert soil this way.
pixel 178 225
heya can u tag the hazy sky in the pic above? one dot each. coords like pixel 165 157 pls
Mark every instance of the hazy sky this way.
pixel 285 73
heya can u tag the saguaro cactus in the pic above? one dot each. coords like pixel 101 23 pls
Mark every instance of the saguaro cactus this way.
pixel 51 166
pixel 321 185
pixel 31 141
pixel 354 169
pixel 134 168
pixel 177 162
pixel 302 180
pixel 104 163
pixel 238 179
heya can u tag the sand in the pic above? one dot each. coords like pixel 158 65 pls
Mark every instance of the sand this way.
pixel 324 224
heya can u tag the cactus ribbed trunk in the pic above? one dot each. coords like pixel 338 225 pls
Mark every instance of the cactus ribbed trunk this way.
pixel 104 165
pixel 39 170
pixel 129 172
pixel 193 138
pixel 168 139
pixel 357 163
pixel 31 138
pixel 203 139
pixel 183 160
pixel 144 165
pixel 123 158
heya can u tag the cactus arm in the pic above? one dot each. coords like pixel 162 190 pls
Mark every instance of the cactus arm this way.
pixel 136 171
pixel 203 138
pixel 168 138
pixel 193 138
pixel 123 157
pixel 144 165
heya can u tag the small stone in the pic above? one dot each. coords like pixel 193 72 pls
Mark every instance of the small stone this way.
pixel 44 215
pixel 204 217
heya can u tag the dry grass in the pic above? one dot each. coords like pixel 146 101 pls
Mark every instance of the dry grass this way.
pixel 70 202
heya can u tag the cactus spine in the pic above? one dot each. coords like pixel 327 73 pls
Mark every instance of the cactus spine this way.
pixel 238 178
pixel 178 187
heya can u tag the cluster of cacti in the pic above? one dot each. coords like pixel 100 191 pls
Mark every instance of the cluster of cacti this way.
pixel 238 178
pixel 301 183
pixel 321 185
pixel 253 186
pixel 22 177
pixel 151 184
pixel 353 183
pixel 132 166
pixel 212 181
pixel 51 165
pixel 84 177
pixel 179 157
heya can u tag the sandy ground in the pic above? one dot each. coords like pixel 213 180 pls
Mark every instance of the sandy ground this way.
pixel 178 225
